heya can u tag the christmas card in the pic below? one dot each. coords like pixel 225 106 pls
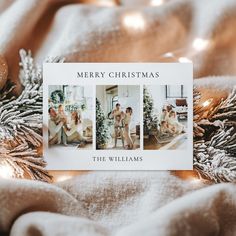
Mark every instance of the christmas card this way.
pixel 118 116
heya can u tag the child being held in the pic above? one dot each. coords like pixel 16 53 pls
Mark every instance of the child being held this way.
pixel 118 129
pixel 164 115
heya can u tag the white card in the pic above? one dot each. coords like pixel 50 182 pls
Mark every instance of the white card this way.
pixel 118 116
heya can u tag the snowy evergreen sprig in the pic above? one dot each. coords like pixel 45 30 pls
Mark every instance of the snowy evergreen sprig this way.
pixel 21 122
pixel 215 138
pixel 24 161
pixel 21 117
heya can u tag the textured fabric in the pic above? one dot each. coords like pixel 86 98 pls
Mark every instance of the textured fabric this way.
pixel 117 203
pixel 122 203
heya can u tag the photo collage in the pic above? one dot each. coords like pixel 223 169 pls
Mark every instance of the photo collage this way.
pixel 118 117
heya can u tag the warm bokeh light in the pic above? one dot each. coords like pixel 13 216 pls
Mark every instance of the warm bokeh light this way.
pixel 184 60
pixel 62 178
pixel 200 44
pixel 156 2
pixel 195 181
pixel 168 54
pixel 207 102
pixel 105 3
pixel 6 172
pixel 134 21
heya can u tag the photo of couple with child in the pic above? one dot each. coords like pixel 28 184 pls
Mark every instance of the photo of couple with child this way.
pixel 70 109
pixel 119 105
pixel 165 117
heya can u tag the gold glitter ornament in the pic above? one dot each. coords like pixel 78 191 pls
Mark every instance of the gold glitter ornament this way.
pixel 3 71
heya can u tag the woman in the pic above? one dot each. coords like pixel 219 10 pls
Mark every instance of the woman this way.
pixel 74 130
pixel 127 121
pixel 173 123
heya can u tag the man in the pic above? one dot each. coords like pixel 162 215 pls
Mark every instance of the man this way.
pixel 55 127
pixel 118 126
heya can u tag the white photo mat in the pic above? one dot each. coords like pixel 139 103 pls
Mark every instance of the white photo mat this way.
pixel 79 159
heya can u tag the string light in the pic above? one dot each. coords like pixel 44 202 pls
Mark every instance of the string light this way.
pixel 184 60
pixel 207 102
pixel 156 2
pixel 134 21
pixel 6 172
pixel 200 44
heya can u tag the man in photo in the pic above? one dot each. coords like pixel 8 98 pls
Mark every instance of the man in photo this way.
pixel 118 124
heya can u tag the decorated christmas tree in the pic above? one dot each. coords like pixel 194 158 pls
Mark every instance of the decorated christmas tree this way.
pixel 149 118
pixel 101 127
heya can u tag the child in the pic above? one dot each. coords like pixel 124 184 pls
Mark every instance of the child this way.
pixel 165 130
pixel 118 126
pixel 174 125
pixel 61 113
pixel 164 115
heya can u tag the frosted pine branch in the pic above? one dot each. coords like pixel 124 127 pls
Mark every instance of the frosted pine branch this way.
pixel 21 122
pixel 215 139
pixel 24 161
pixel 22 116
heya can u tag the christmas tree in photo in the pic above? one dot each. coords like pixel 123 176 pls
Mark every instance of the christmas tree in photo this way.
pixel 150 120
pixel 102 135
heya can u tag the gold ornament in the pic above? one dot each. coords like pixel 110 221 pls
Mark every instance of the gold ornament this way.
pixel 3 71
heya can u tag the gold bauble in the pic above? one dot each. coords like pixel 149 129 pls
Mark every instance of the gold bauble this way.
pixel 3 72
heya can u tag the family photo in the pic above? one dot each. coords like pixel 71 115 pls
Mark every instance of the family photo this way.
pixel 165 110
pixel 70 112
pixel 118 117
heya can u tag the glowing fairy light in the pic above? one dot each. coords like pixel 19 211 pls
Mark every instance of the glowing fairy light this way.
pixel 6 172
pixel 200 44
pixel 168 54
pixel 207 102
pixel 105 3
pixel 134 21
pixel 156 2
pixel 184 60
